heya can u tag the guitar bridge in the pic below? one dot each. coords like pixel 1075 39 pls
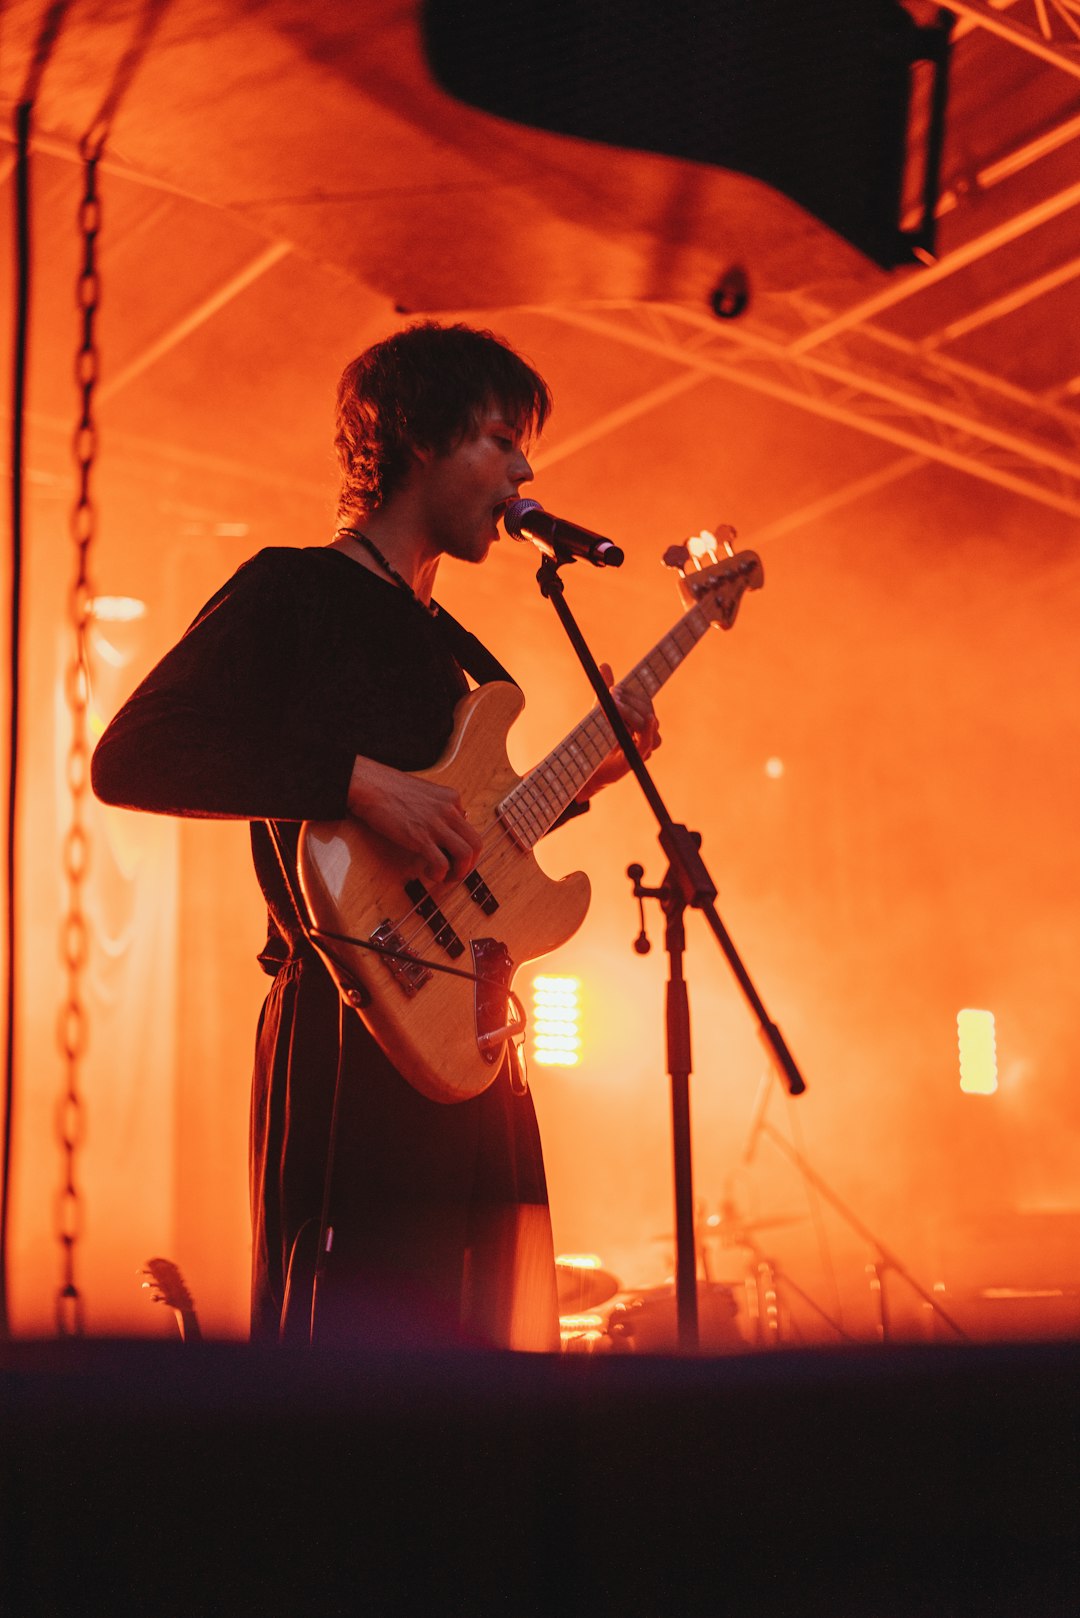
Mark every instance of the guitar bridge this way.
pixel 403 965
pixel 495 1021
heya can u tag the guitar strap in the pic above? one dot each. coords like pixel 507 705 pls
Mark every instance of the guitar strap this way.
pixel 471 653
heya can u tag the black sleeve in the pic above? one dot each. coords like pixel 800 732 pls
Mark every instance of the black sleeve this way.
pixel 223 726
pixel 571 812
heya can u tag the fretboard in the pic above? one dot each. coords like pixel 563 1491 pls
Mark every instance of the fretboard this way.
pixel 535 804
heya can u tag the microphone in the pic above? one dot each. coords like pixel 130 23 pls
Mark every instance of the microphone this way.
pixel 527 519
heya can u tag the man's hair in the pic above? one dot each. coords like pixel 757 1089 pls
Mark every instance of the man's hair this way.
pixel 425 387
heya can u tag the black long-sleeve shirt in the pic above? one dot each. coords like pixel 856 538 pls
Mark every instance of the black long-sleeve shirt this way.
pixel 303 660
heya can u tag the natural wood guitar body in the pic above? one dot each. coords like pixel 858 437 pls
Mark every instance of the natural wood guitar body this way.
pixel 355 881
pixel 447 1034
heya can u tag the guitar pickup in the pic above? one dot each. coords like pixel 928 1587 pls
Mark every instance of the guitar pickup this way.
pixel 481 894
pixel 448 940
pixel 429 912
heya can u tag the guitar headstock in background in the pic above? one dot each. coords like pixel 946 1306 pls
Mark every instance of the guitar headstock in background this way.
pixel 166 1286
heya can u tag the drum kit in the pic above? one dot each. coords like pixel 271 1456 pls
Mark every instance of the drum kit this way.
pixel 597 1315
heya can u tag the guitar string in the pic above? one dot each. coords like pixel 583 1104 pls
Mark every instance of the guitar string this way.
pixel 505 844
pixel 672 654
pixel 495 855
pixel 697 621
pixel 454 906
pixel 452 912
pixel 494 858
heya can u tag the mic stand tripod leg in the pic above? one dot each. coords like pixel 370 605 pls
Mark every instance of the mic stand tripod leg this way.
pixel 875 1274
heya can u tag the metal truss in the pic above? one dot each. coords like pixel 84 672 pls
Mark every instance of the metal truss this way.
pixel 1054 36
pixel 872 382
pixel 900 288
pixel 1049 29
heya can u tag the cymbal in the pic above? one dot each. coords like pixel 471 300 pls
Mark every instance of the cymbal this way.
pixel 580 1289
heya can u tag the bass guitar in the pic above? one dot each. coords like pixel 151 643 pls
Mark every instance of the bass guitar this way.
pixel 430 970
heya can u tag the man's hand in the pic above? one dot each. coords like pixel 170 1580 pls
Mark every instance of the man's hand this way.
pixel 640 720
pixel 419 816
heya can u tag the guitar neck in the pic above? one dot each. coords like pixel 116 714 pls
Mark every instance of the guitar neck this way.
pixel 535 804
pixel 187 1322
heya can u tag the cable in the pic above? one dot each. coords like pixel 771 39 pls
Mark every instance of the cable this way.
pixel 315 934
pixel 23 266
pixel 825 1252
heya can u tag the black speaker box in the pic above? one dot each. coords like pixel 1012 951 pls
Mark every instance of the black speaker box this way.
pixel 813 99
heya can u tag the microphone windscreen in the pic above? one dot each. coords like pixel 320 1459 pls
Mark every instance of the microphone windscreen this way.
pixel 515 514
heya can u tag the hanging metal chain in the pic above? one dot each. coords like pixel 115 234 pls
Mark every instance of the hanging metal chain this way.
pixel 73 1028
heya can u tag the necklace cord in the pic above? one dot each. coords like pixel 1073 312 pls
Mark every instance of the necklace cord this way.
pixel 430 607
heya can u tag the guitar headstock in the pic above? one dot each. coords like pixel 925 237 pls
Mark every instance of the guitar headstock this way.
pixel 713 575
pixel 168 1285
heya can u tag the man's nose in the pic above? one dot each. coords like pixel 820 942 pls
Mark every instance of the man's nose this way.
pixel 523 472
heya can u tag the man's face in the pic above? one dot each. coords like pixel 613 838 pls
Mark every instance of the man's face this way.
pixel 466 491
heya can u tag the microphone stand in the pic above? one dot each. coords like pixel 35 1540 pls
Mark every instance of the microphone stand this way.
pixel 885 1259
pixel 686 883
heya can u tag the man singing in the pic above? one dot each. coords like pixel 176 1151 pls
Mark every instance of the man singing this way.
pixel 311 687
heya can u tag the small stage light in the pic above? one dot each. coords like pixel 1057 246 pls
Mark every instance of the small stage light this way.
pixel 554 1021
pixel 978 1052
pixel 117 609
